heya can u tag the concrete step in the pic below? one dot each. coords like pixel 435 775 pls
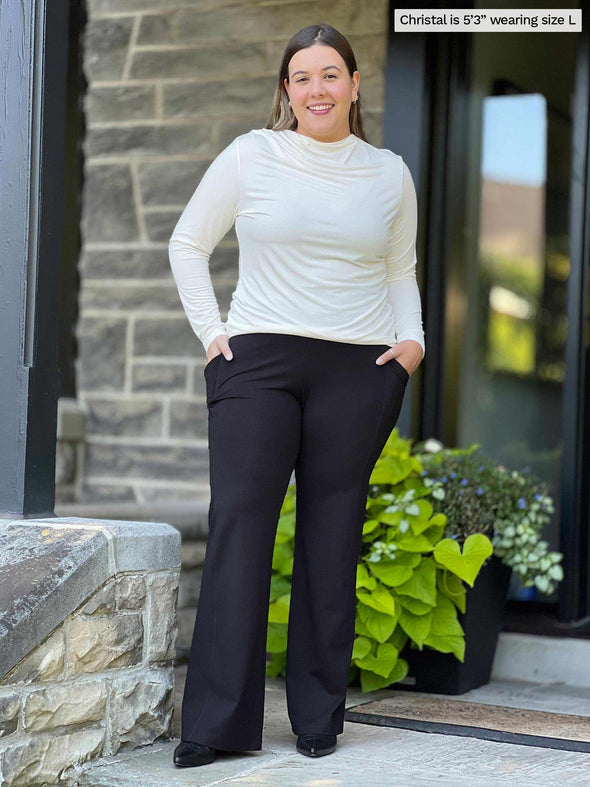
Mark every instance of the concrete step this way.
pixel 531 657
pixel 381 756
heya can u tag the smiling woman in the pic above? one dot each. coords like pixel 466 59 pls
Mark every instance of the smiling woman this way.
pixel 320 88
pixel 326 295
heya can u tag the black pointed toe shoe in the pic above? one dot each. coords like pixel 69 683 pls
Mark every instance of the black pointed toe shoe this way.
pixel 189 755
pixel 316 744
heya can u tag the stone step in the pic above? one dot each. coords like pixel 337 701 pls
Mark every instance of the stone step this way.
pixel 367 754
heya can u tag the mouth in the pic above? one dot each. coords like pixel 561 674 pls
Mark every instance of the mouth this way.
pixel 320 109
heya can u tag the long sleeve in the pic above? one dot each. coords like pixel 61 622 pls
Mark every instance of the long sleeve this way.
pixel 400 261
pixel 208 216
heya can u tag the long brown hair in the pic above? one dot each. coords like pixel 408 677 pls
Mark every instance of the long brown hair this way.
pixel 282 116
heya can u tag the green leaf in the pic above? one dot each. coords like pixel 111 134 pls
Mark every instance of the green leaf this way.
pixel 361 648
pixel 380 599
pixel 382 663
pixel 452 587
pixel 386 518
pixel 422 583
pixel 361 628
pixel 395 572
pixel 399 638
pixel 380 626
pixel 389 470
pixel 416 626
pixel 422 542
pixel 276 638
pixel 414 605
pixel 371 682
pixel 446 633
pixel 363 579
pixel 282 558
pixel 278 611
pixel 276 665
pixel 286 527
pixel 421 520
pixel 476 549
pixel 369 526
pixel 279 585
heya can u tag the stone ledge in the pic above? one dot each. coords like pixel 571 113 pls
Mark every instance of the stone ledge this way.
pixel 190 517
pixel 72 415
pixel 48 567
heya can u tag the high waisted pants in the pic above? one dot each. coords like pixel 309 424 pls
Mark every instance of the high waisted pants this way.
pixel 324 409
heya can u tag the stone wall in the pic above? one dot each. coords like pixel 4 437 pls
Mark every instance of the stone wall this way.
pixel 87 635
pixel 70 450
pixel 170 85
pixel 101 682
pixel 193 559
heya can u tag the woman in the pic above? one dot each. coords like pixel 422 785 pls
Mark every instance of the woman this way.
pixel 308 374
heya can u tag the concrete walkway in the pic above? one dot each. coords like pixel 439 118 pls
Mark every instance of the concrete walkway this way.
pixel 379 756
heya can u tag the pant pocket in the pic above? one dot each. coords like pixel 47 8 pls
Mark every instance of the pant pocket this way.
pixel 399 369
pixel 210 371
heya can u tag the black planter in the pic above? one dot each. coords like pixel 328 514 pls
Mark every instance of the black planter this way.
pixel 442 673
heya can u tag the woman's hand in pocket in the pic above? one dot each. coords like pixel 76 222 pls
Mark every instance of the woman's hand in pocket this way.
pixel 220 344
pixel 408 353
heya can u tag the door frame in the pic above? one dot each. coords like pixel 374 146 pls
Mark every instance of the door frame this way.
pixel 427 85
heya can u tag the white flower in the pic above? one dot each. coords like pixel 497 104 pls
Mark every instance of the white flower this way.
pixel 432 445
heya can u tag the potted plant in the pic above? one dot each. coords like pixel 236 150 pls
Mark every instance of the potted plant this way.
pixel 409 579
pixel 426 536
pixel 478 495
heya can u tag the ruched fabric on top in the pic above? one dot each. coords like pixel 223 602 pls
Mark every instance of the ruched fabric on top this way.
pixel 327 238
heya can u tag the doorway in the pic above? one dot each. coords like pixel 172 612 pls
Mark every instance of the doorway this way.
pixel 507 306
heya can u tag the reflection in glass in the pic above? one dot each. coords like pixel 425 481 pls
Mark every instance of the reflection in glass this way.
pixel 512 403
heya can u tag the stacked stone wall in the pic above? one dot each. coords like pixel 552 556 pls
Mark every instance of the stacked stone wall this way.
pixel 100 683
pixel 170 85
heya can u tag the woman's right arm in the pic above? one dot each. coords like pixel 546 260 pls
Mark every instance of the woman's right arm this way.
pixel 208 216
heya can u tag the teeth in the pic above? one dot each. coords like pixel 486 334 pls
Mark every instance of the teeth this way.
pixel 321 106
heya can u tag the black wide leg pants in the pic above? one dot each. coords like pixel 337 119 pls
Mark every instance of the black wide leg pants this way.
pixel 325 409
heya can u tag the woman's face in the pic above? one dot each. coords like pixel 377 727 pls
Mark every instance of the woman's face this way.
pixel 318 76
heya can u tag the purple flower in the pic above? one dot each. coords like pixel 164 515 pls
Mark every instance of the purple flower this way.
pixel 452 475
pixel 454 536
pixel 424 472
pixel 480 468
pixel 463 482
pixel 461 491
pixel 444 478
pixel 521 502
pixel 479 490
pixel 538 496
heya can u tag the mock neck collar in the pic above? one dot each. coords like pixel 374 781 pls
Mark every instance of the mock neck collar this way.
pixel 318 146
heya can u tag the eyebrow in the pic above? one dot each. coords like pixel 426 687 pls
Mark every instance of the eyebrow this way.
pixel 305 72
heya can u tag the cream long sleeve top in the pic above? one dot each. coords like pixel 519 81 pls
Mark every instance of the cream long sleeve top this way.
pixel 326 234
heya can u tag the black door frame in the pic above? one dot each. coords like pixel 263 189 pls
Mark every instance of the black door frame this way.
pixel 574 602
pixel 33 54
pixel 426 121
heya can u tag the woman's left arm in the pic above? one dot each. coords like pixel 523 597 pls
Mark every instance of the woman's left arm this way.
pixel 402 287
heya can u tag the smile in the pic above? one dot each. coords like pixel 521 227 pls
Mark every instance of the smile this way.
pixel 321 109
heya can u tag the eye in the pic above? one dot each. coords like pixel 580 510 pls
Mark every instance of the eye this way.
pixel 302 79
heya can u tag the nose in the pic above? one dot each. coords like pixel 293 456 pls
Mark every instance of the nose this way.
pixel 316 87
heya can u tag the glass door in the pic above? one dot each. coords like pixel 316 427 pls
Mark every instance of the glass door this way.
pixel 506 313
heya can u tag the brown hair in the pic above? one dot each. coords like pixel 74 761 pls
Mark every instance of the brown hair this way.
pixel 282 115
